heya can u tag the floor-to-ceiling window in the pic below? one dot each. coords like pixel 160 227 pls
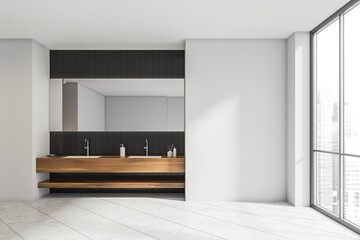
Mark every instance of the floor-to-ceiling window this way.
pixel 336 116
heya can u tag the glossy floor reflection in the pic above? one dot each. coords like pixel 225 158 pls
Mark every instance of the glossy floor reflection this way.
pixel 161 216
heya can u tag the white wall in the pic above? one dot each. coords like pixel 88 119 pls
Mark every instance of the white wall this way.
pixel 91 110
pixel 175 113
pixel 135 114
pixel 56 103
pixel 16 119
pixel 298 119
pixel 24 124
pixel 235 123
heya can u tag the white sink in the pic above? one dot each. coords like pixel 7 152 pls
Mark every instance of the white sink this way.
pixel 82 157
pixel 144 157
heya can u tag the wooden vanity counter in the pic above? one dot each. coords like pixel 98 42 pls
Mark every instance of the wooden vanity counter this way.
pixel 110 164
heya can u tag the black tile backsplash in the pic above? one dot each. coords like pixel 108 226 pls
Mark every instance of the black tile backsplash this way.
pixel 117 64
pixel 108 143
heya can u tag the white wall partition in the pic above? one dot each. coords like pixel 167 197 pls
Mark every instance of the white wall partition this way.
pixel 235 120
pixel 24 126
pixel 40 114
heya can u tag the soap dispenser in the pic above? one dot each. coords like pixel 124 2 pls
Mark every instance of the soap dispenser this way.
pixel 122 151
pixel 174 151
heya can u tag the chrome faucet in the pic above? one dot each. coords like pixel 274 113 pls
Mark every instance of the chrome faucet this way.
pixel 87 147
pixel 146 147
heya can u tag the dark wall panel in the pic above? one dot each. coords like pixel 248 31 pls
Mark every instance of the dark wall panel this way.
pixel 108 143
pixel 117 64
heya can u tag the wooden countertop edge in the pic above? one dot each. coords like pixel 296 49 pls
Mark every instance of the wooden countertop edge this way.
pixel 110 164
pixel 112 157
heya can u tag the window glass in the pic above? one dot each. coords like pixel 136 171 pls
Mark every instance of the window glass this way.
pixel 352 189
pixel 327 181
pixel 352 81
pixel 327 89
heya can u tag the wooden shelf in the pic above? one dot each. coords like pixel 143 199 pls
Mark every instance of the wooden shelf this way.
pixel 99 183
pixel 111 164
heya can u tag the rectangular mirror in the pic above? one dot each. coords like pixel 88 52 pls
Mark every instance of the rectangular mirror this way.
pixel 117 105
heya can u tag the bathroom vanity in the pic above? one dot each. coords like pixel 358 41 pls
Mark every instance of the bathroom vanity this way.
pixel 111 164
pixel 110 104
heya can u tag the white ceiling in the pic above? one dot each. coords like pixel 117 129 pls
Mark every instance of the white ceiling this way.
pixel 134 87
pixel 156 24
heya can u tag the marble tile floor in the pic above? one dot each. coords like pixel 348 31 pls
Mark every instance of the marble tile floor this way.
pixel 161 216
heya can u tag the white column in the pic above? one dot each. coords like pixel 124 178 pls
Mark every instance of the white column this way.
pixel 298 119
